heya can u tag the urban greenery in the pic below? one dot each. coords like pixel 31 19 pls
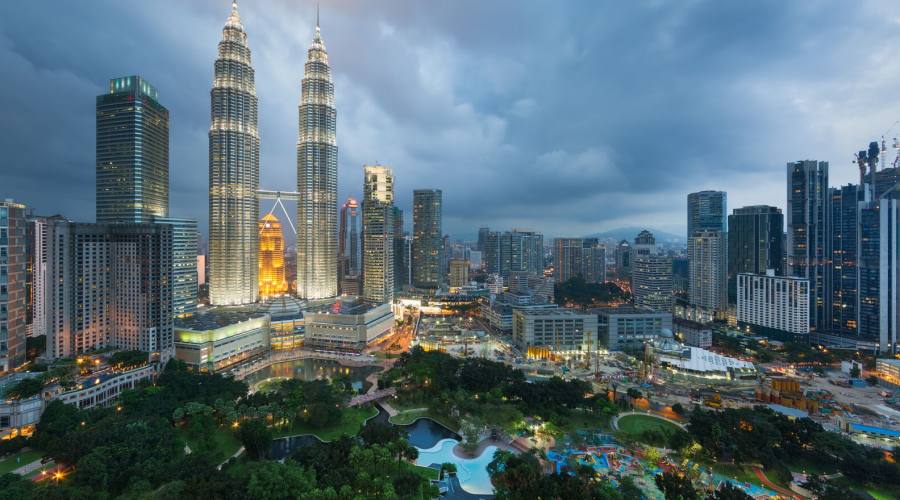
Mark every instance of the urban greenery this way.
pixel 577 291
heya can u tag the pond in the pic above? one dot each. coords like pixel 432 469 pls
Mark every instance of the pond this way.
pixel 311 369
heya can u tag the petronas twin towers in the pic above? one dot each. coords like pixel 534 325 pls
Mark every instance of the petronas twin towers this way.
pixel 234 174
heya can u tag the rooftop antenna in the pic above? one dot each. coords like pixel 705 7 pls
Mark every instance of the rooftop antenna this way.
pixel 317 14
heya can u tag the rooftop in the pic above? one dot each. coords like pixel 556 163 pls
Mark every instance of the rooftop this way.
pixel 345 305
pixel 218 317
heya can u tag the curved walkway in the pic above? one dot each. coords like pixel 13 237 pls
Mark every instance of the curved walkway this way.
pixel 769 484
pixel 615 421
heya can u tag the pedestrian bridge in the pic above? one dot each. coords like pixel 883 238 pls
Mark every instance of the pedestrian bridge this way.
pixel 372 396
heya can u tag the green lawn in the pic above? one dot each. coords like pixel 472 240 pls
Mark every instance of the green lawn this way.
pixel 883 494
pixel 351 423
pixel 741 473
pixel 406 417
pixel 635 425
pixel 426 472
pixel 10 463
pixel 226 442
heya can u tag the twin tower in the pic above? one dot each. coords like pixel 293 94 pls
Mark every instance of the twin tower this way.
pixel 234 174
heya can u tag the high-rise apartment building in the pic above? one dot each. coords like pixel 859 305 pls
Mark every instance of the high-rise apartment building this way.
pixel 777 306
pixel 109 285
pixel 567 258
pixel 185 245
pixel 651 282
pixel 707 211
pixel 459 273
pixel 233 171
pixel 272 281
pixel 378 234
pixel 13 299
pixel 594 261
pixel 808 228
pixel 132 153
pixel 623 260
pixel 349 252
pixel 755 240
pixel 401 251
pixel 889 293
pixel 317 247
pixel 427 244
pixel 706 251
pixel 518 251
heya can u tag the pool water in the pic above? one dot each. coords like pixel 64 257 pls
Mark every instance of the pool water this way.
pixel 471 472
pixel 426 433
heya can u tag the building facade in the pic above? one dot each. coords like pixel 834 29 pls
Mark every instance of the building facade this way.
pixel 693 333
pixel 459 273
pixel 233 171
pixel 272 280
pixel 427 243
pixel 13 300
pixel 651 282
pixel 513 251
pixel 776 306
pixel 708 288
pixel 707 211
pixel 185 245
pixel 808 228
pixel 132 153
pixel 627 328
pixel 559 330
pixel 349 252
pixel 378 234
pixel 219 338
pixel 889 302
pixel 347 325
pixel 317 247
pixel 755 241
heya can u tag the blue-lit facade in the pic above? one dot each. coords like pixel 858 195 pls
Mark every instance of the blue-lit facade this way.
pixel 185 241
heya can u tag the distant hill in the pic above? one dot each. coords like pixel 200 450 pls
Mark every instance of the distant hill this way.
pixel 628 233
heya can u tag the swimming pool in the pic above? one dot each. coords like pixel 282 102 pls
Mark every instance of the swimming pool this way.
pixel 472 472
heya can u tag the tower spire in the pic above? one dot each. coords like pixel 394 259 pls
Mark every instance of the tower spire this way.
pixel 317 16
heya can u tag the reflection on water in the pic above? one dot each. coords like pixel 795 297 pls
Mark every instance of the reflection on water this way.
pixel 425 433
pixel 311 369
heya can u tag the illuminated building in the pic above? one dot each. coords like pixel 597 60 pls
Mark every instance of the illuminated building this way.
pixel 12 284
pixel 347 324
pixel 378 234
pixel 349 254
pixel 427 244
pixel 627 328
pixel 218 337
pixel 132 153
pixel 271 257
pixel 776 306
pixel 889 239
pixel 459 273
pixel 707 253
pixel 560 330
pixel 755 243
pixel 317 248
pixel 233 171
pixel 807 230
pixel 184 264
pixel 515 251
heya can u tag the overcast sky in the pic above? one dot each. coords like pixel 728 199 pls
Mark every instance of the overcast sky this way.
pixel 565 117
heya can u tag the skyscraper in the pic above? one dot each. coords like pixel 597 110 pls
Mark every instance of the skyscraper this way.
pixel 889 301
pixel 707 211
pixel 12 285
pixel 623 260
pixel 427 239
pixel 706 251
pixel 755 237
pixel 401 251
pixel 185 243
pixel 271 257
pixel 378 234
pixel 349 252
pixel 651 275
pixel 845 211
pixel 233 171
pixel 317 247
pixel 132 153
pixel 807 229
pixel 567 258
pixel 517 251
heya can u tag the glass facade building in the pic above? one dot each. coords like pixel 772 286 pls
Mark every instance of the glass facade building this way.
pixel 755 240
pixel 12 285
pixel 185 247
pixel 317 246
pixel 378 234
pixel 132 153
pixel 427 244
pixel 233 171
pixel 808 235
pixel 707 211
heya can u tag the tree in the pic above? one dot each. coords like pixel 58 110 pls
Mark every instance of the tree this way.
pixel 728 491
pixel 678 409
pixel 676 486
pixel 854 371
pixel 256 438
pixel 275 481
pixel 25 388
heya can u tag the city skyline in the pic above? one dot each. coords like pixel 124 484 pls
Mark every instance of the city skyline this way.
pixel 477 134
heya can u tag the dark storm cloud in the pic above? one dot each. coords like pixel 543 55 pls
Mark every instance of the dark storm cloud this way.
pixel 567 117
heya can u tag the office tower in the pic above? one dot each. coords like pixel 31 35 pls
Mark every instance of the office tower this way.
pixel 557 330
pixel 681 271
pixel 567 258
pixel 889 293
pixel 445 257
pixel 233 171
pixel 627 328
pixel 707 211
pixel 807 234
pixel 271 257
pixel 378 234
pixel 593 261
pixel 317 247
pixel 514 251
pixel 459 273
pixel 843 318
pixel 776 306
pixel 349 253
pixel 427 239
pixel 401 253
pixel 755 236
pixel 112 287
pixel 651 282
pixel 623 260
pixel 644 244
pixel 132 153
pixel 185 240
pixel 13 300
pixel 482 237
pixel 706 251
